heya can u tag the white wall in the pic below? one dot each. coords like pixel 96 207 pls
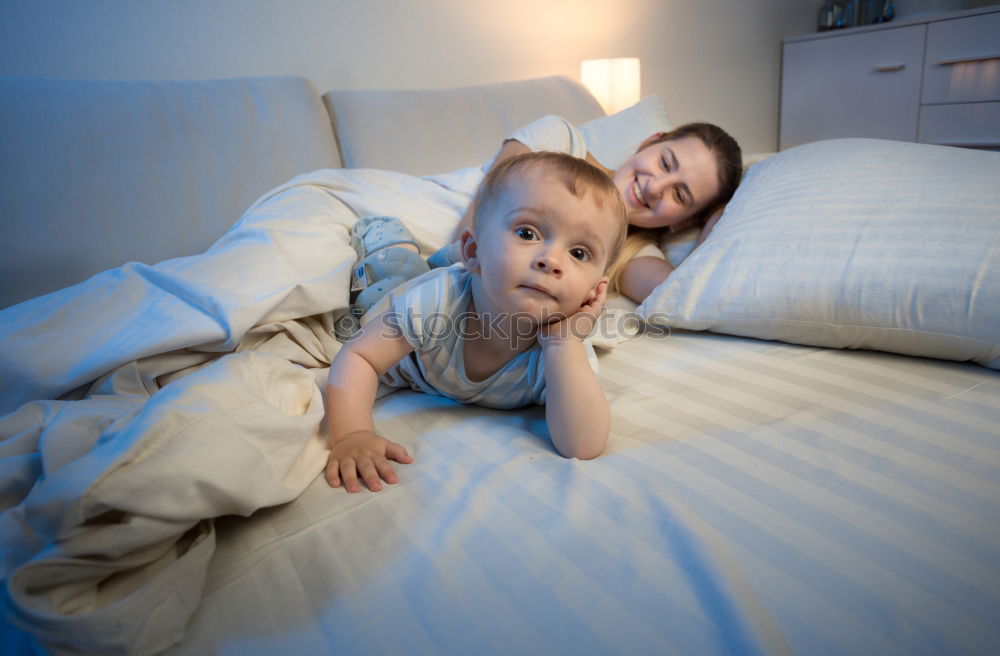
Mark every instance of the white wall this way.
pixel 715 60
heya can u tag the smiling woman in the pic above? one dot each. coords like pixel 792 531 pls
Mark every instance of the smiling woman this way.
pixel 667 183
pixel 675 180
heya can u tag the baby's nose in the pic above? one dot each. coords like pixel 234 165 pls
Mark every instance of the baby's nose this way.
pixel 549 263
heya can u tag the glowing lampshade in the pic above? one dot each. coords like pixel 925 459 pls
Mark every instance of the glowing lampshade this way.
pixel 614 82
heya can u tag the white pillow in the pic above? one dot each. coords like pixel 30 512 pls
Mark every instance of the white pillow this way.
pixel 613 139
pixel 853 243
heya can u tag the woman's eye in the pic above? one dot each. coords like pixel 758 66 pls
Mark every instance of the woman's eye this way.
pixel 579 253
pixel 665 164
pixel 527 234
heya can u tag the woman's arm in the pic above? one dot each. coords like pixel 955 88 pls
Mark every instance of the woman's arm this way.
pixel 642 275
pixel 510 148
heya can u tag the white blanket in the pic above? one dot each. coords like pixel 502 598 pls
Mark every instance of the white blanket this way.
pixel 288 257
pixel 106 526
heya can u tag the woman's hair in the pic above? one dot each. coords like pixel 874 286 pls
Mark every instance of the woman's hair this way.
pixel 578 175
pixel 728 161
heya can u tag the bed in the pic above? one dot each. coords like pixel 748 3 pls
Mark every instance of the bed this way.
pixel 795 466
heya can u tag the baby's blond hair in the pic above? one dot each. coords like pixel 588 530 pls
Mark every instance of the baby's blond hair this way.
pixel 577 174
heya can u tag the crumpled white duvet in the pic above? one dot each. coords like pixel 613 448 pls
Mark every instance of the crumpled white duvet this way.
pixel 108 494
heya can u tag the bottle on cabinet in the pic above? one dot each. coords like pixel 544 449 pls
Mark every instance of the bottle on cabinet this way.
pixel 837 14
pixel 874 11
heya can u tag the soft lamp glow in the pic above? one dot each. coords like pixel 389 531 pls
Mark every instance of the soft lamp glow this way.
pixel 614 82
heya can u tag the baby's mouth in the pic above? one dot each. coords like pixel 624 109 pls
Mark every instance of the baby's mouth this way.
pixel 637 192
pixel 540 290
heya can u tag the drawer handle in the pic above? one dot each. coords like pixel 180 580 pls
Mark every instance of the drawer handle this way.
pixel 889 68
pixel 967 60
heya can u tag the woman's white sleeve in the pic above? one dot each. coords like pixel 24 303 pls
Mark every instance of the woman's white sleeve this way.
pixel 673 247
pixel 650 250
pixel 551 133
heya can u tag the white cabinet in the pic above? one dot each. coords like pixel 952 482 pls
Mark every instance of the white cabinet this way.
pixel 961 86
pixel 934 80
pixel 963 60
pixel 856 85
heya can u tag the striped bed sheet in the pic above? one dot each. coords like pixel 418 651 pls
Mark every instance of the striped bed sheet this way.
pixel 755 497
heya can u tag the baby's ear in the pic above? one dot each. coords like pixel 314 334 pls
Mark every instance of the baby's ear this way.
pixel 470 251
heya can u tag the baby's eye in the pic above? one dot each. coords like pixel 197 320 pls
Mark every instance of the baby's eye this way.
pixel 579 253
pixel 527 234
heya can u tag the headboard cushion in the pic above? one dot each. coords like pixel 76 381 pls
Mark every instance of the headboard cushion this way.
pixel 424 132
pixel 99 173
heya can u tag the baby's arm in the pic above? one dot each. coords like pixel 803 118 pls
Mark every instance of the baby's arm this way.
pixel 355 448
pixel 576 410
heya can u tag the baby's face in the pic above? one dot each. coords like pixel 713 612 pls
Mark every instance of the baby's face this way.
pixel 543 251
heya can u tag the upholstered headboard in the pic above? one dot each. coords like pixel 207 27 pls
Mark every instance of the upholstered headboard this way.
pixel 453 127
pixel 96 174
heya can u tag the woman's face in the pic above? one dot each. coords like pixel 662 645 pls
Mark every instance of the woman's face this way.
pixel 668 183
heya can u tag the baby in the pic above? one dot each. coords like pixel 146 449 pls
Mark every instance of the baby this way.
pixel 505 329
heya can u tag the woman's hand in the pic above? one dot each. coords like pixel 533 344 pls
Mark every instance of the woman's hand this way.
pixel 578 325
pixel 366 454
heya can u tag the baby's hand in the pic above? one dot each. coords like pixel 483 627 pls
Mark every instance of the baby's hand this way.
pixel 367 454
pixel 579 325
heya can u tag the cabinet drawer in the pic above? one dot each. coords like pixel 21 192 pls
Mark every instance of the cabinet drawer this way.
pixel 963 60
pixel 966 124
pixel 859 85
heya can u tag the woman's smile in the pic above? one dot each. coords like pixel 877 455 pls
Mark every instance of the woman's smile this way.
pixel 638 197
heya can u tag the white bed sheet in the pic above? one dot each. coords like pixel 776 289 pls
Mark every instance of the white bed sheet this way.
pixel 756 497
